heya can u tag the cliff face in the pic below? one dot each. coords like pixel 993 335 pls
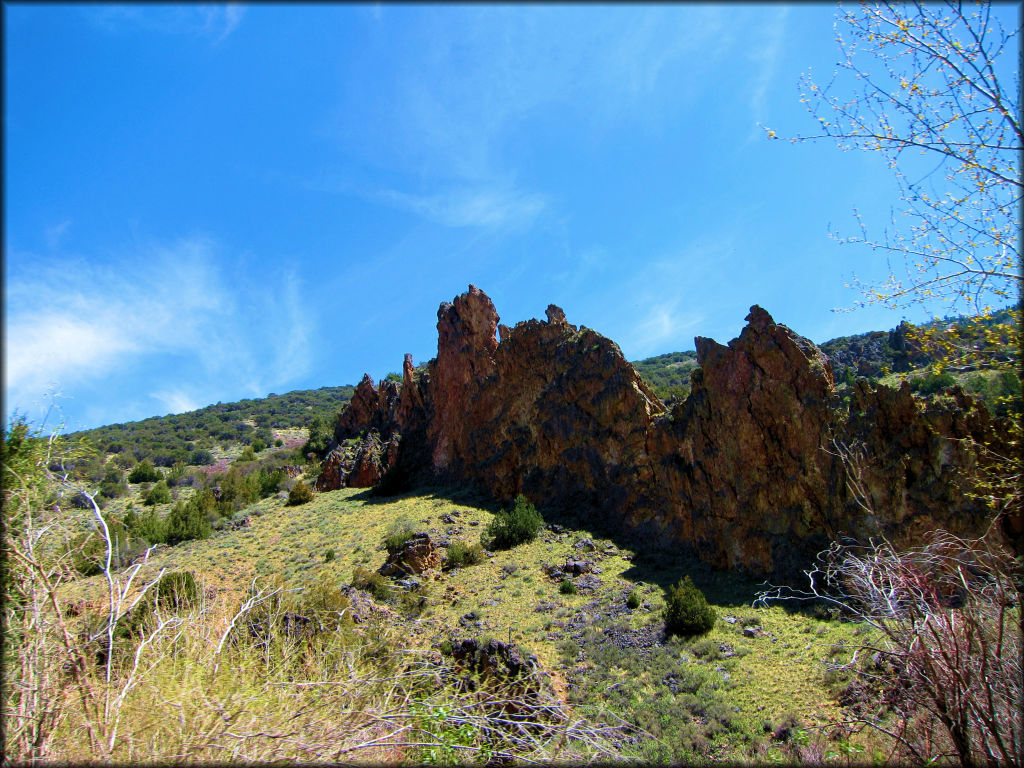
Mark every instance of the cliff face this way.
pixel 756 470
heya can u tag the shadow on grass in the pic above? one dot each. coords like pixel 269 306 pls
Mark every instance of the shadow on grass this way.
pixel 653 563
pixel 455 494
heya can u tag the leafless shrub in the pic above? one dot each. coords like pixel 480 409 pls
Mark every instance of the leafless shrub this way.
pixel 947 655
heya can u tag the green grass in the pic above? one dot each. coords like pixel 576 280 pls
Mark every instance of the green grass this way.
pixel 722 699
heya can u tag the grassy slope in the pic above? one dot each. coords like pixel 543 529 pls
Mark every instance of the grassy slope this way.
pixel 737 684
pixel 779 672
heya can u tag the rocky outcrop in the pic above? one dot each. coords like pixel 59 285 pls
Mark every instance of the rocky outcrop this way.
pixel 416 555
pixel 366 439
pixel 757 470
pixel 740 466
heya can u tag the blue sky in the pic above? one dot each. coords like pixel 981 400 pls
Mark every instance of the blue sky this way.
pixel 206 203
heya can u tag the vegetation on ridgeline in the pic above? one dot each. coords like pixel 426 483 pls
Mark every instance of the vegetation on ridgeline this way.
pixel 193 437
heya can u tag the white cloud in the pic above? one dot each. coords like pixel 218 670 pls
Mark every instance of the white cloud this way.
pixel 470 81
pixel 662 325
pixel 198 20
pixel 54 345
pixel 765 58
pixel 480 207
pixel 54 235
pixel 177 401
pixel 72 322
pixel 223 21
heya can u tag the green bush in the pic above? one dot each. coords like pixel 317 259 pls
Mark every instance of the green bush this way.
pixel 200 457
pixel 931 383
pixel 567 587
pixel 372 582
pixel 633 600
pixel 144 472
pixel 148 526
pixel 687 611
pixel 460 554
pixel 175 591
pixel 328 555
pixel 299 494
pixel 321 433
pixel 246 455
pixel 111 487
pixel 158 494
pixel 518 525
pixel 269 481
pixel 325 601
pixel 399 533
pixel 188 520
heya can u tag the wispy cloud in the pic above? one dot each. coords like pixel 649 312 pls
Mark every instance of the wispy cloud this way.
pixel 212 22
pixel 54 236
pixel 225 19
pixel 177 401
pixel 472 82
pixel 73 322
pixel 481 207
pixel 764 58
pixel 663 324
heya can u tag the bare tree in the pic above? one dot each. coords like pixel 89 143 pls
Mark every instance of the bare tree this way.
pixel 934 88
pixel 944 665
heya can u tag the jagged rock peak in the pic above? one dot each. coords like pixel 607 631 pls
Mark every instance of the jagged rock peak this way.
pixel 555 315
pixel 759 318
pixel 468 322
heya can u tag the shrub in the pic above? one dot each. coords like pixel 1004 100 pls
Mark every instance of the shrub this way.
pixel 328 555
pixel 687 611
pixel 931 383
pixel 399 533
pixel 158 494
pixel 269 481
pixel 372 582
pixel 187 521
pixel 144 472
pixel 461 554
pixel 112 487
pixel 321 433
pixel 177 590
pixel 567 587
pixel 633 600
pixel 299 494
pixel 148 526
pixel 325 601
pixel 518 525
pixel 200 457
pixel 246 455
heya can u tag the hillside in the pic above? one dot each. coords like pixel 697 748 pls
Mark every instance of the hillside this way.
pixel 389 623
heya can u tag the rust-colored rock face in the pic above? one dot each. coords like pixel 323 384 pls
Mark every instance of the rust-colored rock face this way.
pixel 367 436
pixel 417 555
pixel 463 368
pixel 741 465
pixel 754 471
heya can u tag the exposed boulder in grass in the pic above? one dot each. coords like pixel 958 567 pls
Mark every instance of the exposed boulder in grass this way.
pixel 416 555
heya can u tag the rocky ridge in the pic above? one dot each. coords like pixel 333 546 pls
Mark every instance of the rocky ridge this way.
pixel 756 470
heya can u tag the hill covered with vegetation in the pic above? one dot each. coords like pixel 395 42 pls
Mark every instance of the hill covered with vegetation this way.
pixel 211 604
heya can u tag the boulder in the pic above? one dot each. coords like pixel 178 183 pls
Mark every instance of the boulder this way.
pixel 417 555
